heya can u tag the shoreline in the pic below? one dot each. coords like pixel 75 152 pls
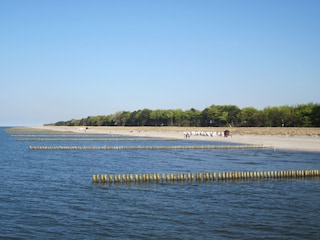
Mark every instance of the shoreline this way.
pixel 305 143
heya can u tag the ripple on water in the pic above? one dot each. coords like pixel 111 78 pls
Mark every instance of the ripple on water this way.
pixel 49 194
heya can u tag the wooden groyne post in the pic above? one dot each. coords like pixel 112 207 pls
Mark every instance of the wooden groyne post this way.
pixel 203 176
pixel 144 147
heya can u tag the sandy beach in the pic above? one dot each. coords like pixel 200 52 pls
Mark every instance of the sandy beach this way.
pixel 297 139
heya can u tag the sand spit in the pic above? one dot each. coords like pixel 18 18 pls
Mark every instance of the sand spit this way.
pixel 297 139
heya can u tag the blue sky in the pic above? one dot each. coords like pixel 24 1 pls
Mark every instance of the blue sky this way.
pixel 72 59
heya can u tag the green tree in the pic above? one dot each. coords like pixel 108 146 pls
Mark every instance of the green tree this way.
pixel 230 115
pixel 143 117
pixel 302 114
pixel 210 116
pixel 121 118
pixel 272 117
pixel 315 115
pixel 192 118
pixel 178 115
pixel 249 117
pixel 286 113
pixel 156 117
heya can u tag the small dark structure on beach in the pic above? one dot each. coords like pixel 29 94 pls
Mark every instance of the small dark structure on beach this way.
pixel 226 133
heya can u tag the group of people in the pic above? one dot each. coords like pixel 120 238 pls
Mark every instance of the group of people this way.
pixel 187 135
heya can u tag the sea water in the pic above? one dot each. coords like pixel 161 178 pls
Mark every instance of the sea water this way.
pixel 48 194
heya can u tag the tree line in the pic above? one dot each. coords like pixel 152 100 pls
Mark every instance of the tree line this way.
pixel 302 115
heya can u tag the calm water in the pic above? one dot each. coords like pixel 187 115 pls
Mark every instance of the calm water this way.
pixel 49 194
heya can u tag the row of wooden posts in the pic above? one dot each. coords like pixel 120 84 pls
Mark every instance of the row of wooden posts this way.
pixel 142 147
pixel 89 139
pixel 202 176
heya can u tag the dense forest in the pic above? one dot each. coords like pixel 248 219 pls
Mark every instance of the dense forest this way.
pixel 302 115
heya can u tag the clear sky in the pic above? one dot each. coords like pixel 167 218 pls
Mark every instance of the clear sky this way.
pixel 72 59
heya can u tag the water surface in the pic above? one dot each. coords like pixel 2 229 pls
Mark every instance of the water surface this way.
pixel 49 194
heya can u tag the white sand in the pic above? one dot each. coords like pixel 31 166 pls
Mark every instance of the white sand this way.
pixel 297 143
